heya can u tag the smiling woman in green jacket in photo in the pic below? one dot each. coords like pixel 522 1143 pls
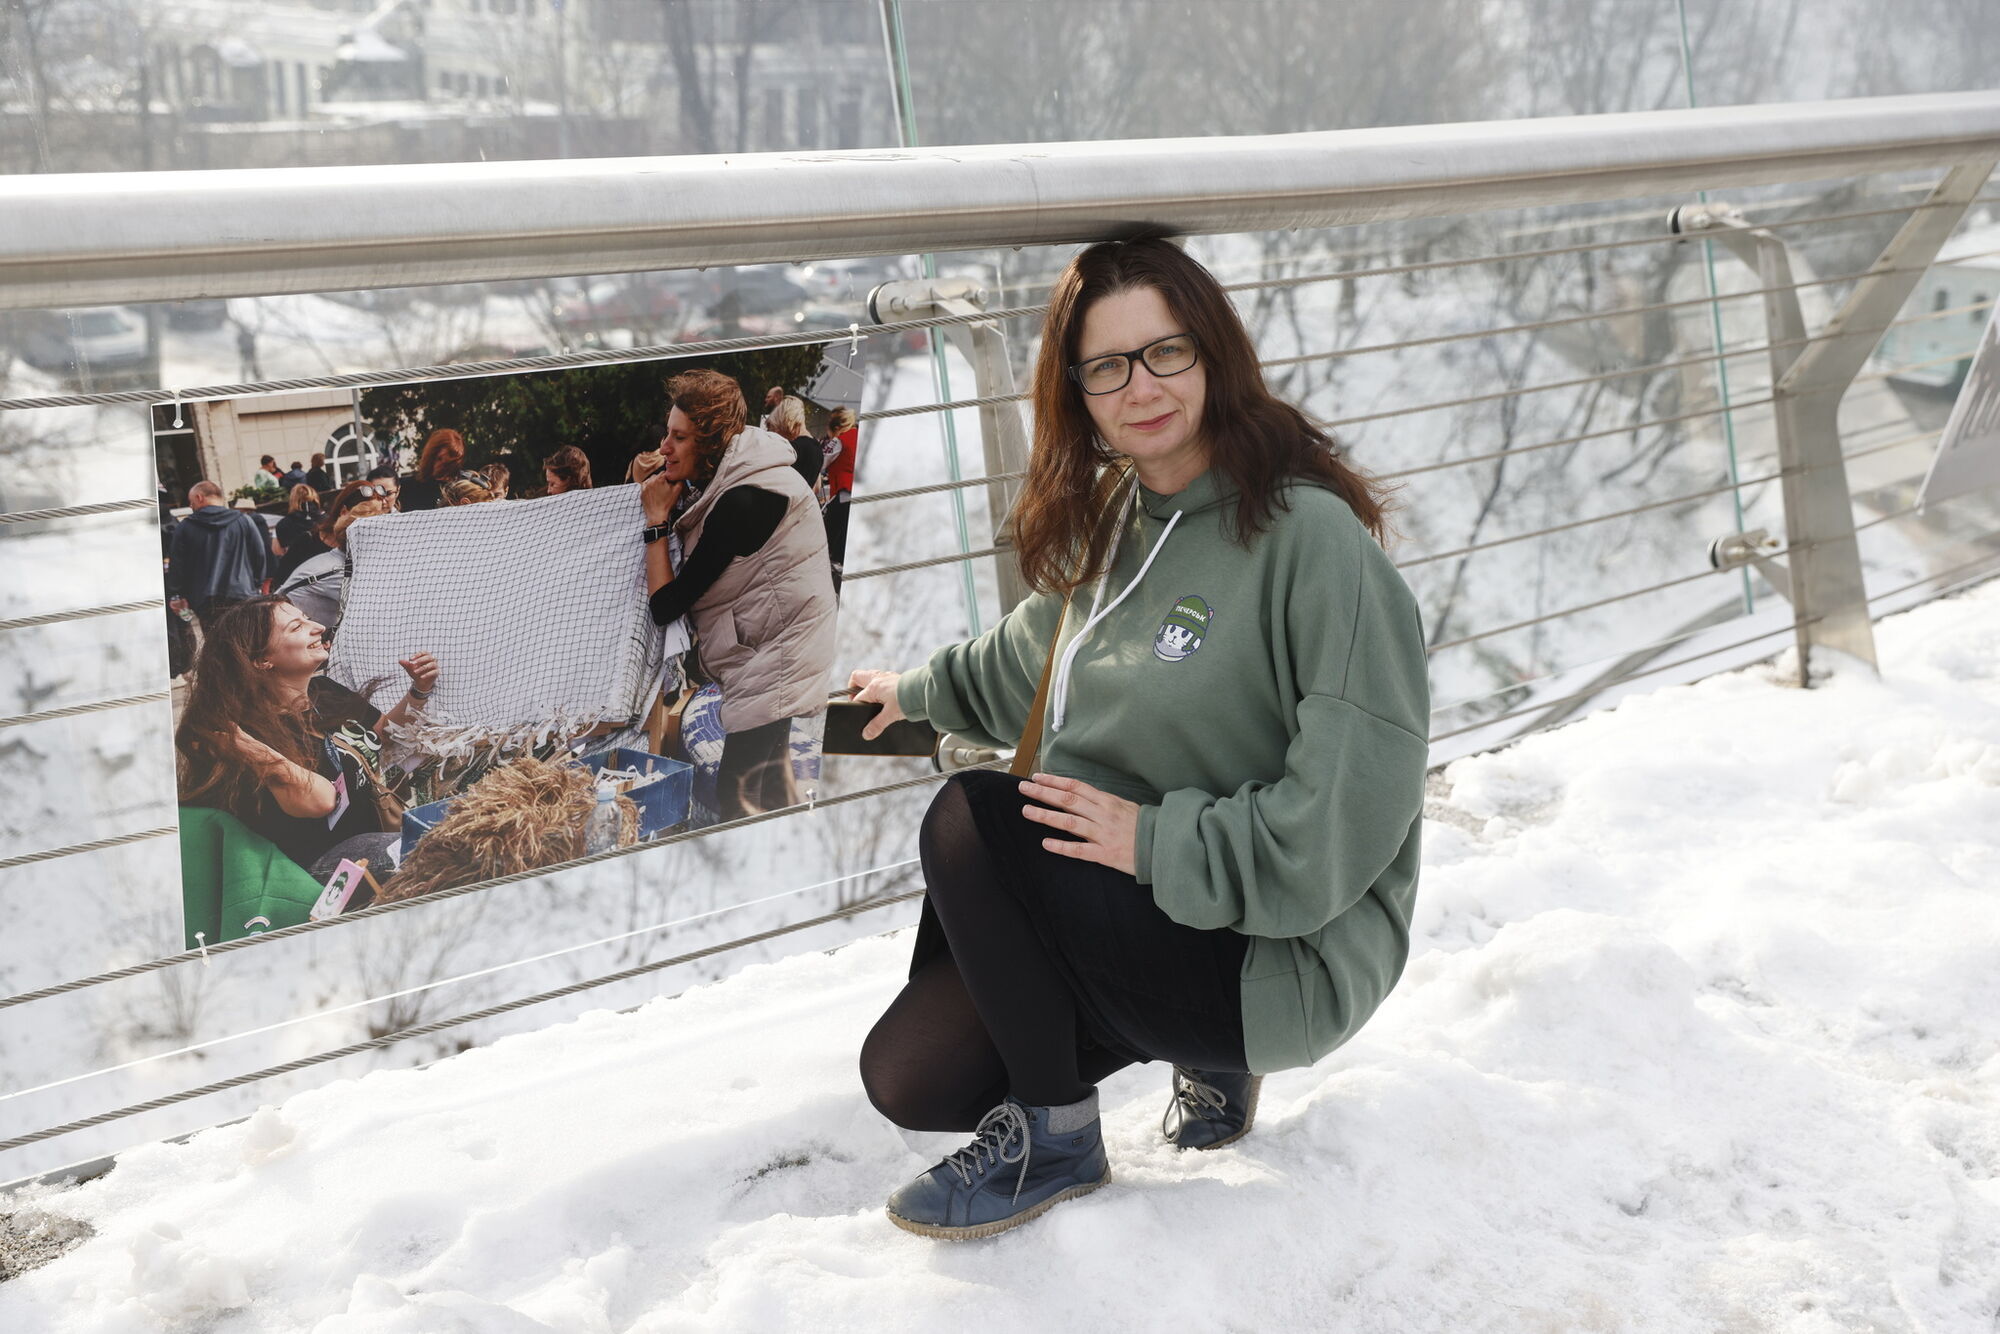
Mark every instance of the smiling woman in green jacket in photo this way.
pixel 1215 863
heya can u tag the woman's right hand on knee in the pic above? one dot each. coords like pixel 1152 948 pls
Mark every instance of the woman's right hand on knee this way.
pixel 876 687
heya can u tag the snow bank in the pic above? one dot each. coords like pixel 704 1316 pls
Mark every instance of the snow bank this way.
pixel 1701 1031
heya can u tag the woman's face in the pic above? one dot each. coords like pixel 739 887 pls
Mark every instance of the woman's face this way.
pixel 678 446
pixel 1155 421
pixel 295 648
pixel 552 482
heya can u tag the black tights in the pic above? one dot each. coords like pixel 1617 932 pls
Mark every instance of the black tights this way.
pixel 991 1017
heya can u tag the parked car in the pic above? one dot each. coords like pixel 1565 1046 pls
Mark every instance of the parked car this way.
pixel 624 302
pixel 72 342
pixel 849 279
pixel 756 291
pixel 197 315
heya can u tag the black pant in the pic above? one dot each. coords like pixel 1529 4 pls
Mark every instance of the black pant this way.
pixel 756 771
pixel 836 535
pixel 1038 974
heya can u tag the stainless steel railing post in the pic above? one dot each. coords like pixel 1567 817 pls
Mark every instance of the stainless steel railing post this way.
pixel 1827 588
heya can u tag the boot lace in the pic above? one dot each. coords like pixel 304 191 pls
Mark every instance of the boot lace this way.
pixel 1192 1097
pixel 1000 1138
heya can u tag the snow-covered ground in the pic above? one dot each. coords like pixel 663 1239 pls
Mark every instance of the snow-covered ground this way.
pixel 1700 1031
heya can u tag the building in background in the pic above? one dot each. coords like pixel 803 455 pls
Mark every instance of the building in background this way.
pixel 138 84
pixel 1957 295
pixel 222 440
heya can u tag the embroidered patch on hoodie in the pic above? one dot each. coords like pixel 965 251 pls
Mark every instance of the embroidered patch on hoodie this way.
pixel 1184 630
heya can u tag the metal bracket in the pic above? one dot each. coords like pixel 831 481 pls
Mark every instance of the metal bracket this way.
pixel 955 752
pixel 1002 432
pixel 1824 581
pixel 1749 548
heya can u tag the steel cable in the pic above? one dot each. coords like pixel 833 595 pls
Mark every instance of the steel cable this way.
pixel 456 891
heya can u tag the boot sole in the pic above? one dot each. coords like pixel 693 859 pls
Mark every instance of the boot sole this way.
pixel 1249 1118
pixel 995 1228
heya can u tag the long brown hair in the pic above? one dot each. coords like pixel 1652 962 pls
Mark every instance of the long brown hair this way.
pixel 227 688
pixel 1256 441
pixel 570 466
pixel 443 456
pixel 713 404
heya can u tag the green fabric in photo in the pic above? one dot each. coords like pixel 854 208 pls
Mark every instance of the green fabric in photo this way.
pixel 234 881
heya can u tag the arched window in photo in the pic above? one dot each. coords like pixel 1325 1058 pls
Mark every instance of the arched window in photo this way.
pixel 346 454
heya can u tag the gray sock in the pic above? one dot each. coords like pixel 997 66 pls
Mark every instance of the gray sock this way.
pixel 1073 1116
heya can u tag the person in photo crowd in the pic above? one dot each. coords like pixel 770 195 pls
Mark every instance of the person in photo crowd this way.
pixel 317 583
pixel 568 469
pixel 498 478
pixel 788 422
pixel 295 541
pixel 219 555
pixel 754 580
pixel 269 475
pixel 283 748
pixel 1215 860
pixel 838 450
pixel 317 477
pixel 646 458
pixel 443 458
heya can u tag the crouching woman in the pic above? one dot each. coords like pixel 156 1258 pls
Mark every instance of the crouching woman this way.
pixel 1215 864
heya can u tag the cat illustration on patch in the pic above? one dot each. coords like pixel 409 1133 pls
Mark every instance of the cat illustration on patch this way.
pixel 1184 629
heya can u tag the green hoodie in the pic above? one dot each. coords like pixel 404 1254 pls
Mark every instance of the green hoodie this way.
pixel 1268 709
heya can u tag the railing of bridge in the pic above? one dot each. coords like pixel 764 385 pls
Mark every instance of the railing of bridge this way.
pixel 1503 325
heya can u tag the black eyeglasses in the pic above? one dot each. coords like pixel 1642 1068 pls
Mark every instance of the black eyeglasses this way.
pixel 1113 371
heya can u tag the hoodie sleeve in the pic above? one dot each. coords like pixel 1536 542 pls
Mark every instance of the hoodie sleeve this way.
pixel 260 546
pixel 982 689
pixel 177 558
pixel 1284 857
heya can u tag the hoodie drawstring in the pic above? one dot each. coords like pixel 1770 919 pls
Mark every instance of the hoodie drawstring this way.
pixel 1069 654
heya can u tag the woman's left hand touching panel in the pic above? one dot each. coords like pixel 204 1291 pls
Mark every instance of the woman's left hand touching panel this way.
pixel 1106 827
pixel 422 669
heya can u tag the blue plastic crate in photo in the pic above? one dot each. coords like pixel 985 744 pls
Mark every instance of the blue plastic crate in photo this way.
pixel 662 804
pixel 420 820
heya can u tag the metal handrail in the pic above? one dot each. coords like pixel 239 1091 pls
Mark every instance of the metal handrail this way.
pixel 316 229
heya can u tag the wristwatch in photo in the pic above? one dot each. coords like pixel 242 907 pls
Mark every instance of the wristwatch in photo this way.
pixel 654 532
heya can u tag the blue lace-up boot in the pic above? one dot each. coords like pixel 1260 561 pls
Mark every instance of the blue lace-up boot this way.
pixel 1210 1108
pixel 1022 1160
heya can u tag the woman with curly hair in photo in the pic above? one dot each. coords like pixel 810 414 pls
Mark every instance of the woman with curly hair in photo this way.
pixel 754 579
